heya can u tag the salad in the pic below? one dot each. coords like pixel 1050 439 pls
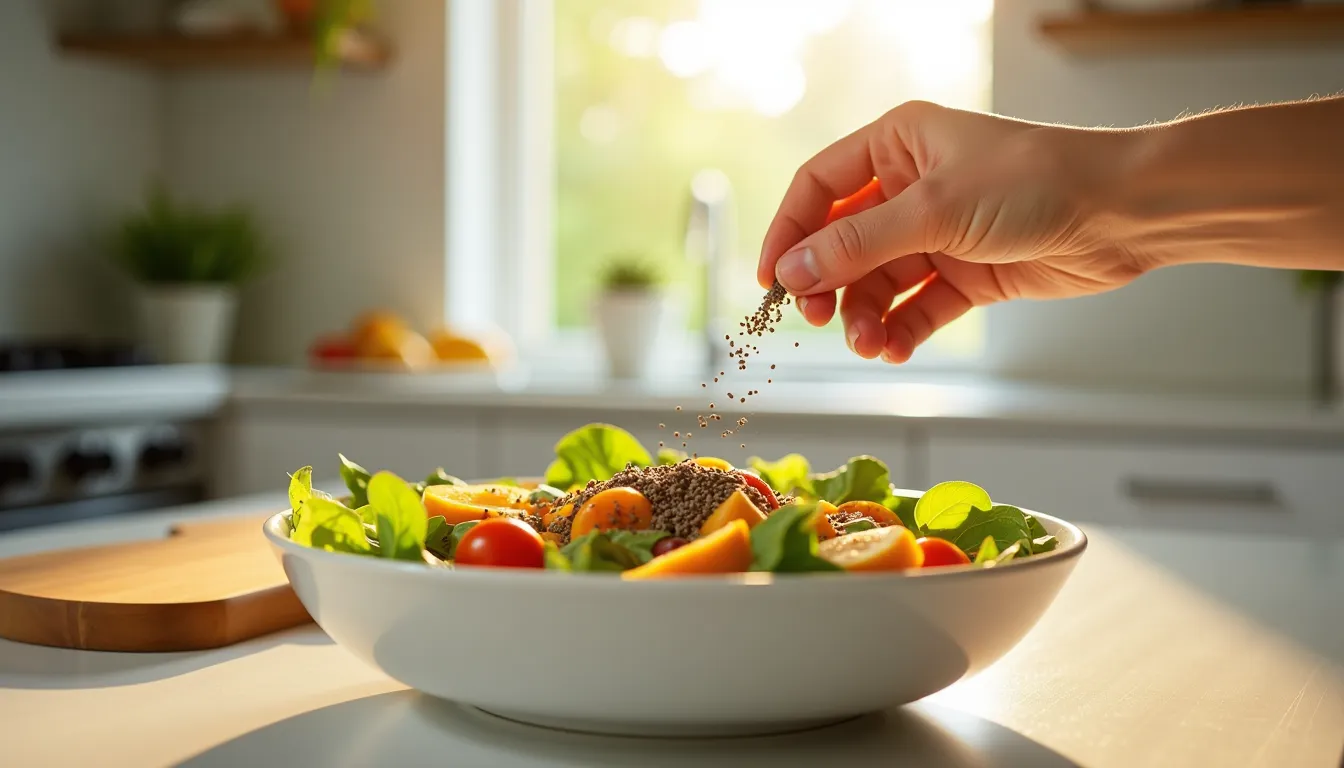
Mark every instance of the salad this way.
pixel 606 505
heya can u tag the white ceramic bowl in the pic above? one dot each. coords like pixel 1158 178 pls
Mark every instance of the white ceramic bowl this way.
pixel 746 654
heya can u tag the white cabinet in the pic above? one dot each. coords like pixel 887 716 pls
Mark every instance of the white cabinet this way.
pixel 258 446
pixel 1152 483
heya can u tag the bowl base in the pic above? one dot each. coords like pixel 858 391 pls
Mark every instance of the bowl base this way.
pixel 674 730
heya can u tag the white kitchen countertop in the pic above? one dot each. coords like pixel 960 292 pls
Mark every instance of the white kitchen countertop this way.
pixel 168 392
pixel 1164 649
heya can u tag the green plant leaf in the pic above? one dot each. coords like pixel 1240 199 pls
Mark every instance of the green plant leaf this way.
pixel 945 506
pixel 300 491
pixel 862 478
pixel 402 522
pixel 786 476
pixel 440 477
pixel 329 525
pixel 859 525
pixel 1043 544
pixel 639 543
pixel 668 456
pixel 594 452
pixel 785 543
pixel 544 494
pixel 988 551
pixel 1005 523
pixel 595 551
pixel 904 508
pixel 458 531
pixel 368 516
pixel 554 559
pixel 356 479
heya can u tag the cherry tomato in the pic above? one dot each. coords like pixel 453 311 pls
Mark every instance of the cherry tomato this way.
pixel 501 542
pixel 756 482
pixel 942 552
pixel 663 546
pixel 333 348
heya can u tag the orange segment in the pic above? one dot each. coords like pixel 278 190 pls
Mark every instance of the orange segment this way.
pixel 556 514
pixel 623 508
pixel 713 463
pixel 735 507
pixel 727 550
pixel 876 549
pixel 821 521
pixel 872 510
pixel 460 503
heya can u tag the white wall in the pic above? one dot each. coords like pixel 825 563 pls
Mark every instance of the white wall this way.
pixel 78 142
pixel 348 182
pixel 1205 327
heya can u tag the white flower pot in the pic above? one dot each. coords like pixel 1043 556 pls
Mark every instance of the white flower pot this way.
pixel 629 323
pixel 188 323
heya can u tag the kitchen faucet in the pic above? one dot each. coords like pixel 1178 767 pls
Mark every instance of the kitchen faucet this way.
pixel 709 239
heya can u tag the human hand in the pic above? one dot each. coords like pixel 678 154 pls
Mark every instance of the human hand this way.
pixel 967 208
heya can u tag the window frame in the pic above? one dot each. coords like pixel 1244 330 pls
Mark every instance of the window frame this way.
pixel 500 130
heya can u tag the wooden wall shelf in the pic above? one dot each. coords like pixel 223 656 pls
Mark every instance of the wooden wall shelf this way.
pixel 1104 32
pixel 358 51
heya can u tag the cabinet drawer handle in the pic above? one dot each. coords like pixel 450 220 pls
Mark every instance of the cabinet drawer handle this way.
pixel 1167 491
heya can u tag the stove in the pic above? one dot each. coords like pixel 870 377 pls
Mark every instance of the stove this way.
pixel 69 466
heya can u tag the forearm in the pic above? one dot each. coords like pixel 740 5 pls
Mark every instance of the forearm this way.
pixel 1261 186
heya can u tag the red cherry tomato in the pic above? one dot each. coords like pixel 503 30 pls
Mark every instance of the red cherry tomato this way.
pixel 333 348
pixel 501 542
pixel 942 552
pixel 663 546
pixel 756 482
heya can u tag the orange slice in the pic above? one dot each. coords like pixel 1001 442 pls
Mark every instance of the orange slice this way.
pixel 460 503
pixel 712 463
pixel 821 521
pixel 727 550
pixel 735 507
pixel 871 510
pixel 876 549
pixel 623 508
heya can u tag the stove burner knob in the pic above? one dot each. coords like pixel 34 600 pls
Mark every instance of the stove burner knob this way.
pixel 163 454
pixel 14 470
pixel 81 464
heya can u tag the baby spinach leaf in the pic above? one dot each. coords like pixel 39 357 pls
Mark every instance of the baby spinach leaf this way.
pixel 1034 526
pixel 554 559
pixel 1016 550
pixel 904 508
pixel 1045 543
pixel 859 525
pixel 786 543
pixel 945 506
pixel 595 452
pixel 329 525
pixel 544 494
pixel 595 551
pixel 440 477
pixel 862 478
pixel 788 475
pixel 356 478
pixel 400 515
pixel 438 535
pixel 456 534
pixel 639 543
pixel 1005 523
pixel 367 515
pixel 988 551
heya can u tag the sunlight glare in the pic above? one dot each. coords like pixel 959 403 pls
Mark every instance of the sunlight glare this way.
pixel 600 124
pixel 636 37
pixel 685 48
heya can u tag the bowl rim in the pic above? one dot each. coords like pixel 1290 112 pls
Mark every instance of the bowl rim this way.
pixel 273 531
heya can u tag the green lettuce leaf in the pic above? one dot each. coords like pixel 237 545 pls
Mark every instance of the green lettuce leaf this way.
pixel 554 559
pixel 300 491
pixel 595 452
pixel 604 551
pixel 787 475
pixel 862 478
pixel 785 543
pixel 904 508
pixel 400 515
pixel 946 506
pixel 988 551
pixel 330 525
pixel 1005 523
pixel 356 478
pixel 544 494
pixel 668 456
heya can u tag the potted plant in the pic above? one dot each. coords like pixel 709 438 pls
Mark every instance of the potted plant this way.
pixel 1328 289
pixel 188 263
pixel 629 312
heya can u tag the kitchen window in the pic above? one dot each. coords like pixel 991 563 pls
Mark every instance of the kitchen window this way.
pixel 577 129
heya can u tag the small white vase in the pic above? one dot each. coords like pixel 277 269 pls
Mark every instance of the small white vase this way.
pixel 629 323
pixel 191 324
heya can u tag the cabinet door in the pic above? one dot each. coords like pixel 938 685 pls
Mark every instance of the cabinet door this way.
pixel 258 450
pixel 1152 485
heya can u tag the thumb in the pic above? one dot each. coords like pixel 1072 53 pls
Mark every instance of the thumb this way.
pixel 851 247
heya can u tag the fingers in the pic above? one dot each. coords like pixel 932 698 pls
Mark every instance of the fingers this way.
pixel 867 301
pixel 817 309
pixel 910 324
pixel 851 247
pixel 836 173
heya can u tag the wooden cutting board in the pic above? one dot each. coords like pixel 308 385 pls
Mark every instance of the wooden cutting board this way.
pixel 204 586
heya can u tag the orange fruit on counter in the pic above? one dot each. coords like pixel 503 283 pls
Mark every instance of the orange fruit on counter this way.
pixel 395 343
pixel 462 503
pixel 727 550
pixel 374 321
pixel 872 510
pixel 458 349
pixel 621 508
pixel 735 507
pixel 876 549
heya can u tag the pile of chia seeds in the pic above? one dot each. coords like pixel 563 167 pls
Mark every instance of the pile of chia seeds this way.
pixel 681 495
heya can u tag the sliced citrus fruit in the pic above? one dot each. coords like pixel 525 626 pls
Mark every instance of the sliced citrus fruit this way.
pixel 871 510
pixel 711 462
pixel 821 521
pixel 623 508
pixel 460 503
pixel 876 549
pixel 727 550
pixel 735 507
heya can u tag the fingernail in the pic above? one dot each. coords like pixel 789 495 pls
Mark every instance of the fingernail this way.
pixel 853 336
pixel 802 305
pixel 797 271
pixel 886 357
